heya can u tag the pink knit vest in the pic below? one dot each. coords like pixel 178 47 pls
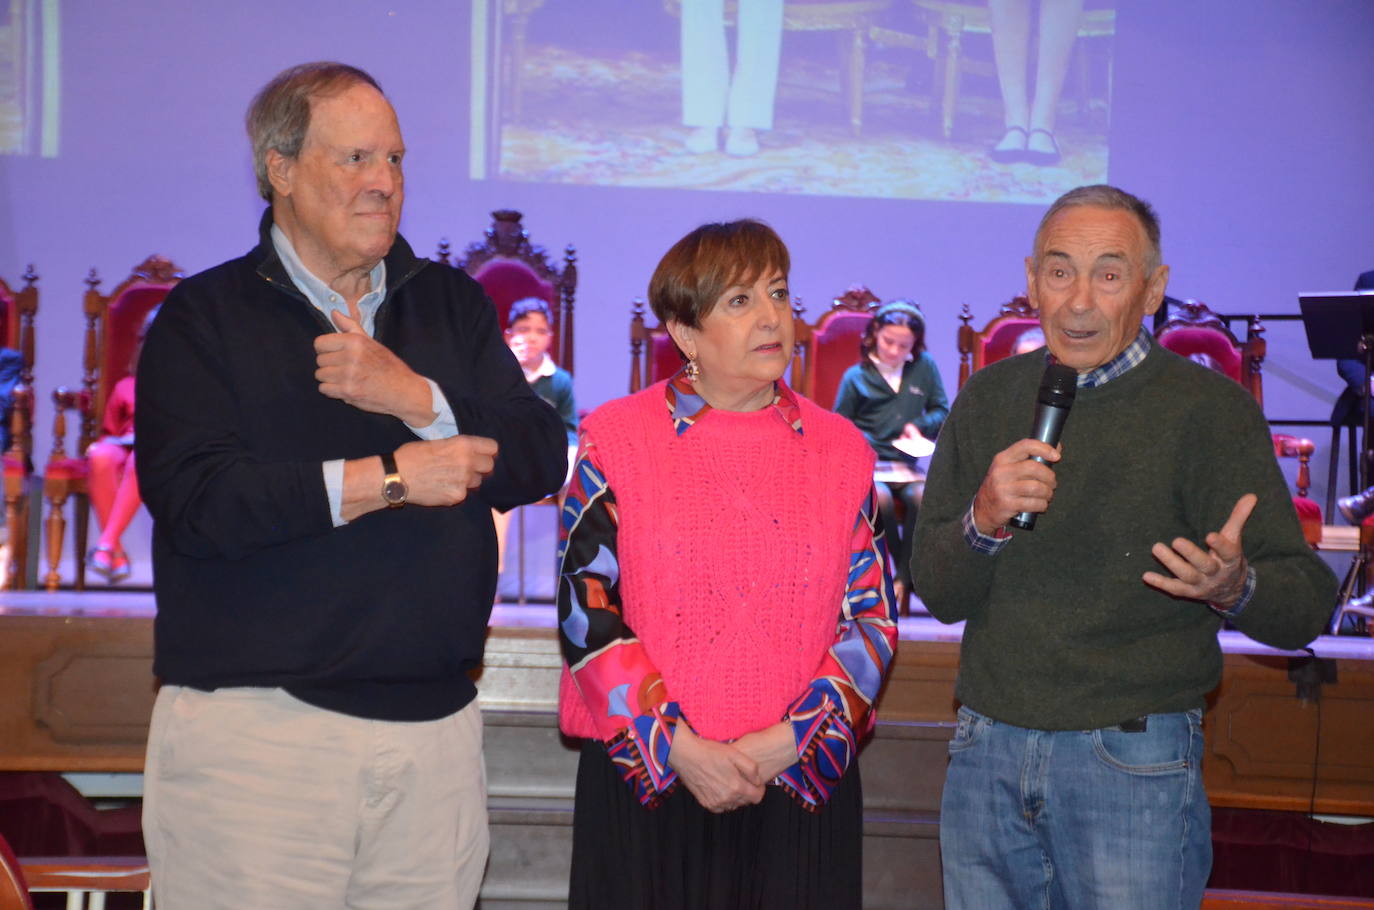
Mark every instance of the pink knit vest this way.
pixel 734 548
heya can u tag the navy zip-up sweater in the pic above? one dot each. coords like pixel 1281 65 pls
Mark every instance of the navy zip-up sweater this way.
pixel 382 617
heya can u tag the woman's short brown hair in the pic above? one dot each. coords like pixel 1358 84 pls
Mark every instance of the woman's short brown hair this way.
pixel 693 274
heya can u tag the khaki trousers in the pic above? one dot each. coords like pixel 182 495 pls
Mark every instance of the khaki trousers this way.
pixel 253 798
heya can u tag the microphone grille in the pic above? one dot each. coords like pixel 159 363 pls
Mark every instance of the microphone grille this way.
pixel 1058 386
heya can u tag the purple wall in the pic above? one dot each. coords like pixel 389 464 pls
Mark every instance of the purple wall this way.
pixel 1248 126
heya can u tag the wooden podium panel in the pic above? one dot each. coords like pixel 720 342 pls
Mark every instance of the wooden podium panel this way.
pixel 76 682
pixel 1264 743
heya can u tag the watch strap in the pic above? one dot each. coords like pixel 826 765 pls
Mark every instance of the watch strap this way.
pixel 394 489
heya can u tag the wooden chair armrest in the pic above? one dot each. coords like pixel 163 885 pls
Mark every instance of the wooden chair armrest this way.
pixel 1288 446
pixel 86 873
pixel 64 400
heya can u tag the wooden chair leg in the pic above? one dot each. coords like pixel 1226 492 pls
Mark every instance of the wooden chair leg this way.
pixel 19 547
pixel 12 528
pixel 57 528
pixel 1333 473
pixel 1352 468
pixel 81 506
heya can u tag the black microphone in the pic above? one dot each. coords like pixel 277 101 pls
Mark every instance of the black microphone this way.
pixel 1057 388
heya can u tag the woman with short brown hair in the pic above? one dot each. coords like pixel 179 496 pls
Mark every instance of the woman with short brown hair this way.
pixel 724 611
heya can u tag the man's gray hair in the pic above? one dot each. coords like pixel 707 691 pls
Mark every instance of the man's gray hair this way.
pixel 279 116
pixel 1103 196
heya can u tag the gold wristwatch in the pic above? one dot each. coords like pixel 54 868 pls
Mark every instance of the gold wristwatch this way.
pixel 394 489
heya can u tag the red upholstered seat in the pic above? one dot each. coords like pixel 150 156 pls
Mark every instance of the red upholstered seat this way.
pixel 1189 341
pixel 507 281
pixel 997 339
pixel 831 346
pixel 1192 328
pixel 510 268
pixel 1310 517
pixel 66 468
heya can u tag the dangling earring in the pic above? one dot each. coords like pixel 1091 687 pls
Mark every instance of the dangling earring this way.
pixel 692 370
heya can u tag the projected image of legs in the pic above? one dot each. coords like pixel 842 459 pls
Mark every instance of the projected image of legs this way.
pixel 1030 126
pixel 12 67
pixel 712 96
pixel 30 83
pixel 1003 100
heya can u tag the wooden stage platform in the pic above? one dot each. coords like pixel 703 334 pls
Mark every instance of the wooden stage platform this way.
pixel 76 691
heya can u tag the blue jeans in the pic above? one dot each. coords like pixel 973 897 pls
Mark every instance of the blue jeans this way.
pixel 1075 819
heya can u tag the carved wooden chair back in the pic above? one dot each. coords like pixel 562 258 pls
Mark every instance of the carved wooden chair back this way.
pixel 510 268
pixel 831 346
pixel 113 322
pixel 997 339
pixel 17 311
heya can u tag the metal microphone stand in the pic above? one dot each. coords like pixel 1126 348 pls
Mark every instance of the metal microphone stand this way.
pixel 1353 587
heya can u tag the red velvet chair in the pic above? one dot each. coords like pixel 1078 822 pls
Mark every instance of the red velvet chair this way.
pixel 17 311
pixel 1192 329
pixel 112 325
pixel 653 355
pixel 510 268
pixel 831 346
pixel 997 339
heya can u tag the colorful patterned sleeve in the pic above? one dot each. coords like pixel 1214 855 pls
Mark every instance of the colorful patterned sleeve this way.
pixel 836 708
pixel 622 689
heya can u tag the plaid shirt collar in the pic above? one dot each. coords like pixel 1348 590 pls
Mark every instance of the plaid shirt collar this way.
pixel 1132 357
pixel 687 407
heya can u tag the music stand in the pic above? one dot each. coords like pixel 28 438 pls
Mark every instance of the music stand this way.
pixel 1341 326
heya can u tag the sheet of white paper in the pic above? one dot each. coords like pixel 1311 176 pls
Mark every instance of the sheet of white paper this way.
pixel 917 448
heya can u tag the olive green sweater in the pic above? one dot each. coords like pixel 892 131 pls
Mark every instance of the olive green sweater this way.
pixel 1061 632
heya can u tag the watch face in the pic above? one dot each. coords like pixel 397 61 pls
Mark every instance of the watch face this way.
pixel 394 491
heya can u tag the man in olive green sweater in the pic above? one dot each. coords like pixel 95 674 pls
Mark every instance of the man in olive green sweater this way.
pixel 1091 641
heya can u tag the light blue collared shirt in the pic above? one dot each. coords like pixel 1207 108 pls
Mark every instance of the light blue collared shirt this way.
pixel 328 301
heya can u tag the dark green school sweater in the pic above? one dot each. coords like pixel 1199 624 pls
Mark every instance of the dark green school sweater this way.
pixel 1061 632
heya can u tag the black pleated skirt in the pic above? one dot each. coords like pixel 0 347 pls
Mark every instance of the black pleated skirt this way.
pixel 681 857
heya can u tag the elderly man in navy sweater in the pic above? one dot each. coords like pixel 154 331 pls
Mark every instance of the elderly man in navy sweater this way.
pixel 324 427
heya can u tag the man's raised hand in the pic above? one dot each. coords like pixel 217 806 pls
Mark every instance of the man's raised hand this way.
pixel 1215 575
pixel 356 369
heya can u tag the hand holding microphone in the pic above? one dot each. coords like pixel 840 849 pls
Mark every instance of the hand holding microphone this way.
pixel 1058 387
pixel 1019 483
